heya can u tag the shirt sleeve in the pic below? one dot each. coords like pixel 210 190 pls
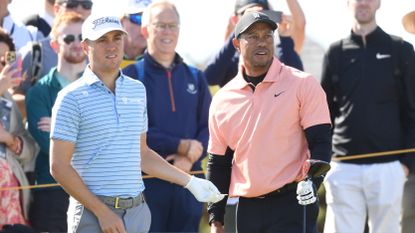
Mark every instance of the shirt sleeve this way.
pixel 217 144
pixel 314 109
pixel 65 118
pixel 408 98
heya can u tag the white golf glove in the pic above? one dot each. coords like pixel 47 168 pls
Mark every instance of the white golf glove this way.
pixel 204 190
pixel 305 193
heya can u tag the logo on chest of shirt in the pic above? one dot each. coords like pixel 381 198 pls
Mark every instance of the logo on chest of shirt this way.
pixel 191 88
pixel 278 93
pixel 380 56
pixel 127 100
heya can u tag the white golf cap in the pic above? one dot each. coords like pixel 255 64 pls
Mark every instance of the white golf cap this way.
pixel 97 25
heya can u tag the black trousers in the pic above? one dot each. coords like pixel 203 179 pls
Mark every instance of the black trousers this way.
pixel 48 210
pixel 278 212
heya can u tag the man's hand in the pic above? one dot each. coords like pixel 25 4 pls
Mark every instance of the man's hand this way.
pixel 110 222
pixel 305 193
pixel 217 227
pixel 204 190
pixel 44 124
pixel 195 151
pixel 285 27
pixel 405 169
pixel 183 163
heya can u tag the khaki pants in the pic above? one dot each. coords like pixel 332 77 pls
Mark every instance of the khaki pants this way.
pixel 357 191
pixel 81 220
pixel 408 206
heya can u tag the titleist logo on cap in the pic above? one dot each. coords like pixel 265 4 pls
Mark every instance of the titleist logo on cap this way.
pixel 105 20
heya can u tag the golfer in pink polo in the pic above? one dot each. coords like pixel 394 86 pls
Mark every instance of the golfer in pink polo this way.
pixel 264 124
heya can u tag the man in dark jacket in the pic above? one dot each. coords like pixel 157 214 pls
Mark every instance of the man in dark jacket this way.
pixel 370 86
pixel 224 66
pixel 178 103
pixel 408 203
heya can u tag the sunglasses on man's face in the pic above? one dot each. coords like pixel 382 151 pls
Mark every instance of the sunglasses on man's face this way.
pixel 68 39
pixel 87 5
pixel 135 18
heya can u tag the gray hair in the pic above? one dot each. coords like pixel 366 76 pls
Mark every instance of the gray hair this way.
pixel 147 12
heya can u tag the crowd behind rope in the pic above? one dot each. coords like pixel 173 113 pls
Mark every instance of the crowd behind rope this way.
pixel 48 167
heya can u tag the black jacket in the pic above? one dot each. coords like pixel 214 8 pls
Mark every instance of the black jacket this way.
pixel 372 108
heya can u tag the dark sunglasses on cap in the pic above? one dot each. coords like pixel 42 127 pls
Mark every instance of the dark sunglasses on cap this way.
pixel 135 18
pixel 68 39
pixel 87 5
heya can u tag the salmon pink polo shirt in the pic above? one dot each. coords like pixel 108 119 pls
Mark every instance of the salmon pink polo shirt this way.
pixel 265 127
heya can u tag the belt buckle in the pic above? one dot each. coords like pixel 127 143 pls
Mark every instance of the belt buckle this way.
pixel 116 203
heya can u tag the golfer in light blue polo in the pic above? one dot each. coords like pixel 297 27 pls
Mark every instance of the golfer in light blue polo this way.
pixel 98 141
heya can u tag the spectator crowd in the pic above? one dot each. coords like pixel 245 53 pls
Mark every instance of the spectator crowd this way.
pixel 136 139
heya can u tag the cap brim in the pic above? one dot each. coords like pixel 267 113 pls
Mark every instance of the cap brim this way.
pixel 408 22
pixel 102 32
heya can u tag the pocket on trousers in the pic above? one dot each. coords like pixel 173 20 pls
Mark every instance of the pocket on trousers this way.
pixel 74 213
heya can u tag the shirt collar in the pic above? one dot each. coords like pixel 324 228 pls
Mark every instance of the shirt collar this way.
pixel 372 36
pixel 272 74
pixel 90 78
pixel 63 81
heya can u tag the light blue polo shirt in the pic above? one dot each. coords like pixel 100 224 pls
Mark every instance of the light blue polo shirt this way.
pixel 105 129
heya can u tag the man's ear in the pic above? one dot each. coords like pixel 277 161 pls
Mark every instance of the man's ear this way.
pixel 54 45
pixel 144 31
pixel 236 44
pixel 84 46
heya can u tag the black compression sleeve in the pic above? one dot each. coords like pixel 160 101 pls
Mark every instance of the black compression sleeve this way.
pixel 219 169
pixel 319 141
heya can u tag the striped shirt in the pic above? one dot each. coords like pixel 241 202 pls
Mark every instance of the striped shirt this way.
pixel 105 129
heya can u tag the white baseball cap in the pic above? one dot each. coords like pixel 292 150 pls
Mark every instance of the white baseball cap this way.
pixel 97 25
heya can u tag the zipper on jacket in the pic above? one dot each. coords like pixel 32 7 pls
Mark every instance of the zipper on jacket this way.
pixel 173 106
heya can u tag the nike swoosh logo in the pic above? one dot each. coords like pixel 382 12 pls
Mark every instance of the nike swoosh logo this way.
pixel 382 56
pixel 278 94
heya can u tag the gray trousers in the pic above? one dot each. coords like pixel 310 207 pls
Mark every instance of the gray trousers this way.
pixel 81 220
pixel 408 206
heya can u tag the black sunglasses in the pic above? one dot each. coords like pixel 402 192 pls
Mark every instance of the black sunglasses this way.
pixel 87 5
pixel 68 39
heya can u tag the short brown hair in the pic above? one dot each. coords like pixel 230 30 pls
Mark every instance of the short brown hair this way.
pixel 64 18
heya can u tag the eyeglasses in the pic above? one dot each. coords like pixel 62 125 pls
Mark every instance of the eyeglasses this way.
pixel 164 26
pixel 135 18
pixel 68 39
pixel 87 5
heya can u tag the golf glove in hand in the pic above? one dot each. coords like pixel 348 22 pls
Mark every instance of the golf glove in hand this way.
pixel 204 190
pixel 305 192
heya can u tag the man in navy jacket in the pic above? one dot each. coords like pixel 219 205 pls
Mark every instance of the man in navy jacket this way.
pixel 178 101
